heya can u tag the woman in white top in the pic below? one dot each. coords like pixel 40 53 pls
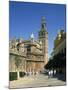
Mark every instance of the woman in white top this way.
pixel 54 72
pixel 49 74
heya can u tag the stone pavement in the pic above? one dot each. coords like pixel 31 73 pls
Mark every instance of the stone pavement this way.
pixel 36 81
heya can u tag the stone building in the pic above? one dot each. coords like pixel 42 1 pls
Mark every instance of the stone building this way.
pixel 30 55
pixel 60 48
pixel 60 43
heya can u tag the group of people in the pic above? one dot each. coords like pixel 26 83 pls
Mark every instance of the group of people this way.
pixel 51 73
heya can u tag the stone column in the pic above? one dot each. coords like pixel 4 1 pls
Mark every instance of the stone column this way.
pixel 18 75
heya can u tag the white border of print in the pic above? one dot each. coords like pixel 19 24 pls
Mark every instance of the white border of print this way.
pixel 4 42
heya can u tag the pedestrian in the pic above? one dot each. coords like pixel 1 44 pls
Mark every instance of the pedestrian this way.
pixel 54 72
pixel 49 74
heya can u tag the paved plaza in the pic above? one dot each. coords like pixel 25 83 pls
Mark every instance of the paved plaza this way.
pixel 36 81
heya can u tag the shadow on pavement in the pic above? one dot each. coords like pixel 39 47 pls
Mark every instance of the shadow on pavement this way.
pixel 60 77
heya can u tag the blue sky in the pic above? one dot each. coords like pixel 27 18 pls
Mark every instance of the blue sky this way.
pixel 25 18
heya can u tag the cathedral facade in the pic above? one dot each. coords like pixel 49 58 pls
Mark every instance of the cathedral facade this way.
pixel 30 55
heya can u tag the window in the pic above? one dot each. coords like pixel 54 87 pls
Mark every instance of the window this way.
pixel 28 49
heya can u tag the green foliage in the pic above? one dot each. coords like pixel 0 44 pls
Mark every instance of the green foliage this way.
pixel 22 74
pixel 12 76
pixel 17 61
pixel 58 61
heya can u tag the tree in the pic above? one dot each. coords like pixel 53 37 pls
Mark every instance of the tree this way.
pixel 58 61
pixel 18 62
pixel 49 65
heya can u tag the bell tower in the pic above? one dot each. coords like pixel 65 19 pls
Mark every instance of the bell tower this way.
pixel 43 37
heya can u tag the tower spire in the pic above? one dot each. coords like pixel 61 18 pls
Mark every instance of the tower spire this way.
pixel 43 28
pixel 43 20
pixel 43 37
pixel 43 24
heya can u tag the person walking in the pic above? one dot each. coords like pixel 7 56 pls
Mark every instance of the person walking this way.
pixel 49 74
pixel 54 72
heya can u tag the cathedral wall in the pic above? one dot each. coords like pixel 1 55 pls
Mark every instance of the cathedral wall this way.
pixel 34 67
pixel 16 63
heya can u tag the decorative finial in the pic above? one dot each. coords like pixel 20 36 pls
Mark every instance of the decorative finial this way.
pixel 32 36
pixel 43 20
